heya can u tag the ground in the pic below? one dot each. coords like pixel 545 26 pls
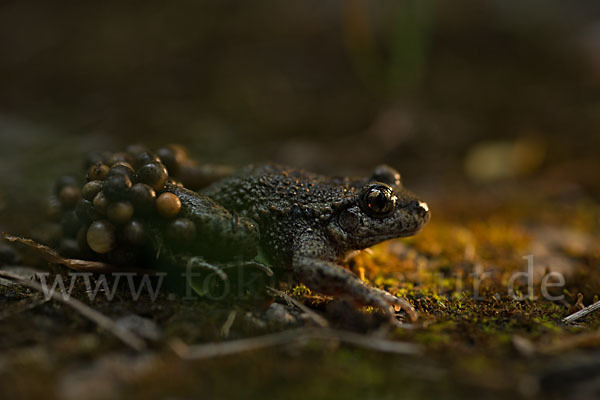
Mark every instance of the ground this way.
pixel 472 337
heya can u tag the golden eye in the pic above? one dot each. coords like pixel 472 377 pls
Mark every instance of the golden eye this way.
pixel 380 200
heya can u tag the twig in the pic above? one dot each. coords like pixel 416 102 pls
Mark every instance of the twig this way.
pixel 228 323
pixel 218 349
pixel 53 257
pixel 125 335
pixel 316 318
pixel 582 313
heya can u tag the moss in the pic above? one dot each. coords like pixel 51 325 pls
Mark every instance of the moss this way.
pixel 467 327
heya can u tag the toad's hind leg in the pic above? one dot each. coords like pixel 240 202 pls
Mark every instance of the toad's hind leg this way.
pixel 222 235
pixel 328 278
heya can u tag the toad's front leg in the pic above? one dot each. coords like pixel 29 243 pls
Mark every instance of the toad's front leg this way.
pixel 328 278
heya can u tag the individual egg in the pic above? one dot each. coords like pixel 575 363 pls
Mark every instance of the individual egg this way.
pixel 69 195
pixel 97 172
pixel 100 203
pixel 64 181
pixel 70 223
pixel 48 234
pixel 85 210
pixel 91 189
pixel 118 157
pixel 124 164
pixel 69 248
pixel 181 231
pixel 154 175
pixel 92 158
pixel 119 212
pixel 144 158
pixel 116 186
pixel 101 236
pixel 134 233
pixel 172 157
pixel 143 197
pixel 54 209
pixel 168 205
pixel 135 149
pixel 122 168
pixel 82 240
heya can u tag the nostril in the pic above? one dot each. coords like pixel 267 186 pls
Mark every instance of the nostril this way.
pixel 419 207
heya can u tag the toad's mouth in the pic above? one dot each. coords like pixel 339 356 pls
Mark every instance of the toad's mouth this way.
pixel 415 216
pixel 408 231
pixel 409 228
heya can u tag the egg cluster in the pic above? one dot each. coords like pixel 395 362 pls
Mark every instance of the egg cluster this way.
pixel 124 198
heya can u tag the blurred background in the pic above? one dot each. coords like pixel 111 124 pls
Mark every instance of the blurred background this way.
pixel 454 94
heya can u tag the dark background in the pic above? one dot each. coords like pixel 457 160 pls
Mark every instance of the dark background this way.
pixel 332 86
